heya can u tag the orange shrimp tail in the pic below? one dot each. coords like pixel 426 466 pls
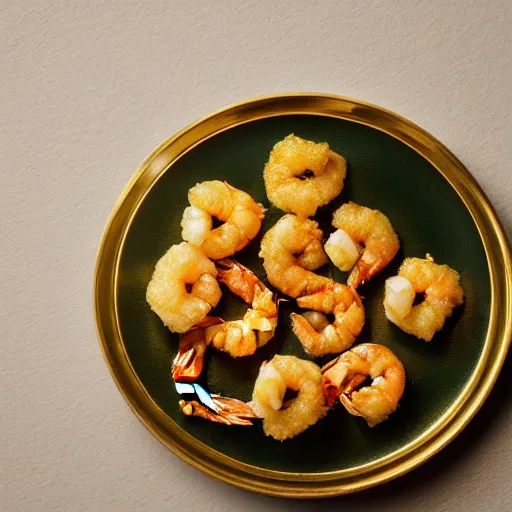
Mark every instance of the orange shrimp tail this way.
pixel 361 273
pixel 239 279
pixel 308 337
pixel 188 364
pixel 349 406
pixel 233 409
pixel 230 411
pixel 353 383
pixel 330 393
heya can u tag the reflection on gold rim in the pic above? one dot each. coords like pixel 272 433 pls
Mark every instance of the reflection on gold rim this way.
pixel 305 485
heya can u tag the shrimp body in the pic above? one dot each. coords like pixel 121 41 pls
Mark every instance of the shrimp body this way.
pixel 442 293
pixel 237 337
pixel 302 175
pixel 316 334
pixel 291 249
pixel 240 214
pixel 375 402
pixel 183 288
pixel 360 225
pixel 243 337
pixel 285 420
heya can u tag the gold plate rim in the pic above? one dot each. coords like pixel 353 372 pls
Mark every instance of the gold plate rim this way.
pixel 304 485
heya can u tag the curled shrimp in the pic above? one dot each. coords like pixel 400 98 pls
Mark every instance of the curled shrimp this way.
pixel 360 225
pixel 243 337
pixel 183 288
pixel 316 334
pixel 240 214
pixel 291 249
pixel 343 376
pixel 237 337
pixel 442 293
pixel 286 419
pixel 302 175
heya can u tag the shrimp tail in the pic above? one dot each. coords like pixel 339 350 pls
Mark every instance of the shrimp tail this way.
pixel 194 408
pixel 363 271
pixel 333 375
pixel 188 364
pixel 358 275
pixel 331 392
pixel 239 279
pixel 229 411
pixel 233 408
pixel 349 406
pixel 353 383
pixel 309 338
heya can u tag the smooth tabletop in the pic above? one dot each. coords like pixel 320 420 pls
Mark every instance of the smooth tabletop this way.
pixel 89 89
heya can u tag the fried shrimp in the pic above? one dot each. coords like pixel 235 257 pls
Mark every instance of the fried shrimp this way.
pixel 237 337
pixel 302 175
pixel 240 214
pixel 243 337
pixel 316 334
pixel 183 288
pixel 442 293
pixel 360 225
pixel 291 249
pixel 343 375
pixel 285 420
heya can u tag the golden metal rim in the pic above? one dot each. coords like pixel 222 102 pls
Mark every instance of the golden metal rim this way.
pixel 305 485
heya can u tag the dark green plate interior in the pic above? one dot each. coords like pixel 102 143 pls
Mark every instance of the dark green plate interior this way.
pixel 383 173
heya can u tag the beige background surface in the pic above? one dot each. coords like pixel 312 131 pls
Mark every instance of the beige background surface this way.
pixel 88 90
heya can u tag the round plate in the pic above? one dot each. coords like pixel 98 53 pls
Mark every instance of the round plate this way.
pixel 435 206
